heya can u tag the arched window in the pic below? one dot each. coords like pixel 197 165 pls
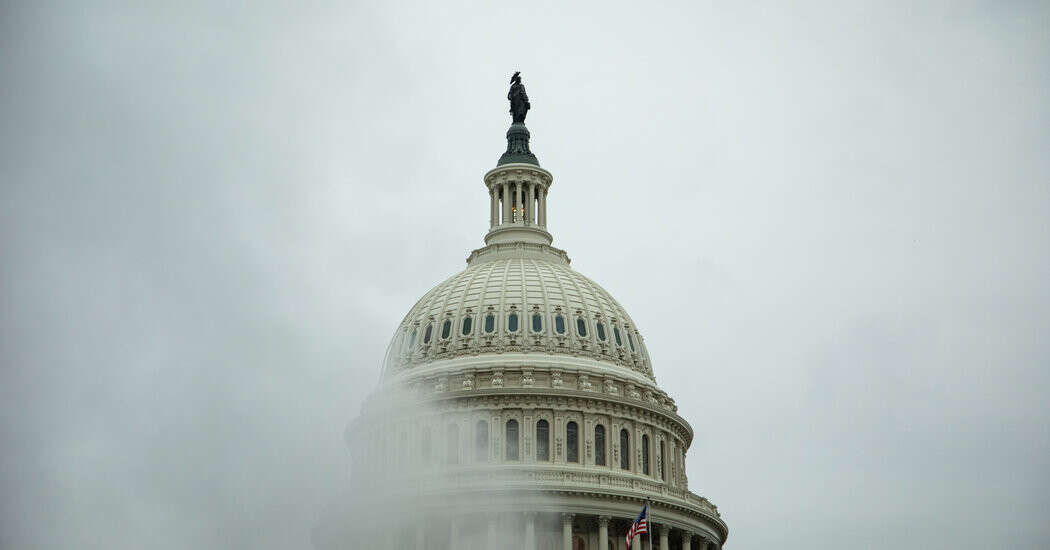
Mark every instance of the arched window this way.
pixel 630 340
pixel 490 323
pixel 412 340
pixel 625 450
pixel 468 324
pixel 599 445
pixel 581 327
pixel 663 462
pixel 424 445
pixel 537 322
pixel 559 324
pixel 512 322
pixel 481 441
pixel 452 444
pixel 446 329
pixel 645 454
pixel 600 330
pixel 616 334
pixel 543 440
pixel 427 333
pixel 512 439
pixel 572 442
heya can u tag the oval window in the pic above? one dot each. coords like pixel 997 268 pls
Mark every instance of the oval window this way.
pixel 616 334
pixel 581 327
pixel 630 340
pixel 559 324
pixel 537 322
pixel 600 330
pixel 446 329
pixel 512 322
pixel 468 323
pixel 490 323
pixel 426 334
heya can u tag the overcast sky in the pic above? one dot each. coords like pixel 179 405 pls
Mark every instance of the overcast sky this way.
pixel 831 222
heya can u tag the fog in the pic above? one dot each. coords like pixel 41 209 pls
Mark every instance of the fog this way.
pixel 830 221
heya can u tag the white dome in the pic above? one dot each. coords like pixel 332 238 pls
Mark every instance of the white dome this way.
pixel 473 313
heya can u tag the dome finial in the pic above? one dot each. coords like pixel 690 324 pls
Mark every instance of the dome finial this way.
pixel 519 100
pixel 518 134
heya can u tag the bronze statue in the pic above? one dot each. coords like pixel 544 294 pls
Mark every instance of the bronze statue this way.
pixel 519 100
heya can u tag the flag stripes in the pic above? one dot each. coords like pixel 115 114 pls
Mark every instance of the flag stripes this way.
pixel 640 526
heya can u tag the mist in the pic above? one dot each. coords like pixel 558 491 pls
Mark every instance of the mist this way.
pixel 831 222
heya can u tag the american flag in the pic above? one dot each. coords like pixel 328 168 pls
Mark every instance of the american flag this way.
pixel 641 525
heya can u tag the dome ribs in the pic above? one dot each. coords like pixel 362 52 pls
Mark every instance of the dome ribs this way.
pixel 527 285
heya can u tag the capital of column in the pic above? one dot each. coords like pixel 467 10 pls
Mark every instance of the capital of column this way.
pixel 665 530
pixel 604 520
pixel 567 517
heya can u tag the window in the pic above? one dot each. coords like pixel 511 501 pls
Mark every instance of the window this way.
pixel 512 440
pixel 645 454
pixel 625 450
pixel 559 324
pixel 663 462
pixel 452 444
pixel 543 440
pixel 581 327
pixel 490 323
pixel 446 329
pixel 426 333
pixel 616 334
pixel 412 340
pixel 481 441
pixel 468 324
pixel 512 322
pixel 599 445
pixel 630 340
pixel 600 330
pixel 572 442
pixel 537 322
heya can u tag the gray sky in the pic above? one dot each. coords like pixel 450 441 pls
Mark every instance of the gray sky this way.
pixel 831 223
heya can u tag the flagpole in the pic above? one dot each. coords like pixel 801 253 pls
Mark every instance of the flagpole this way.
pixel 649 521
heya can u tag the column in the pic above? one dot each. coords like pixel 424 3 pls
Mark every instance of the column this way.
pixel 506 202
pixel 664 530
pixel 543 208
pixel 453 533
pixel 491 535
pixel 517 201
pixel 530 215
pixel 421 540
pixel 493 208
pixel 603 533
pixel 687 540
pixel 566 531
pixel 530 531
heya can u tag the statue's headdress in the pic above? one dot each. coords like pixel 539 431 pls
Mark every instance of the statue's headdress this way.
pixel 516 77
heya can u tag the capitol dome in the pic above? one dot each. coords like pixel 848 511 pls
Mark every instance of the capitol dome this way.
pixel 517 406
pixel 521 303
